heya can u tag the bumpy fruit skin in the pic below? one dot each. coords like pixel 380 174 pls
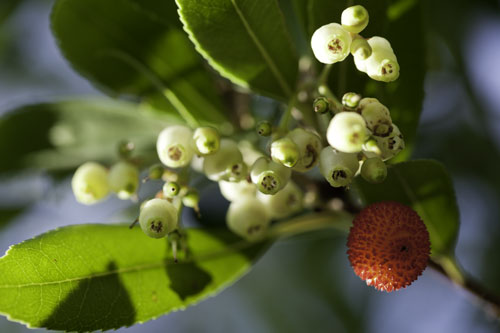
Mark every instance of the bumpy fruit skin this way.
pixel 124 179
pixel 90 183
pixel 175 146
pixel 388 246
pixel 248 218
pixel 331 43
pixel 158 217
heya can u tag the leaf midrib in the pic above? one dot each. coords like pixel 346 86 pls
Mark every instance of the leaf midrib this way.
pixel 267 58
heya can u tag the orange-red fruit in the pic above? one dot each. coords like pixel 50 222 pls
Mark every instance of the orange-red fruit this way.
pixel 388 245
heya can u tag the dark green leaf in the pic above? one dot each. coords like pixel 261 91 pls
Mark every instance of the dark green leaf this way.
pixel 402 24
pixel 135 47
pixel 246 41
pixel 7 7
pixel 100 277
pixel 426 187
pixel 63 135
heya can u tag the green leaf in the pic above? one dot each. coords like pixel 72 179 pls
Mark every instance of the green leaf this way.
pixel 246 41
pixel 101 277
pixel 425 186
pixel 63 135
pixel 7 7
pixel 135 47
pixel 402 24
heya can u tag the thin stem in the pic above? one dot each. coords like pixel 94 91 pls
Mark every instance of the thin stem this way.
pixel 488 301
pixel 325 91
pixel 287 115
pixel 326 220
pixel 323 77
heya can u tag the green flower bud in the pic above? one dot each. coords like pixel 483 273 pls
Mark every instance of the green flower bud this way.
pixel 175 146
pixel 171 189
pixel 371 148
pixel 354 19
pixel 309 145
pixel 158 217
pixel 347 132
pixel 269 176
pixel 351 100
pixel 226 164
pixel 206 140
pixel 321 105
pixel 90 183
pixel 337 167
pixel 156 171
pixel 123 179
pixel 360 48
pixel 191 199
pixel 374 170
pixel 264 128
pixel 248 218
pixel 382 65
pixel 285 151
pixel 125 149
pixel 377 117
pixel 392 144
pixel 331 43
pixel 234 191
pixel 288 201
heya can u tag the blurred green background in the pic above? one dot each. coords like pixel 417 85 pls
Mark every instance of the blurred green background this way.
pixel 305 283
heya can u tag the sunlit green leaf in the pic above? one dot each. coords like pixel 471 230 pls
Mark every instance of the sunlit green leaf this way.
pixel 246 41
pixel 136 47
pixel 100 277
pixel 426 186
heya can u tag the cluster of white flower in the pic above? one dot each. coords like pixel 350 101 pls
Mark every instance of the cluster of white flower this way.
pixel 259 186
pixel 374 56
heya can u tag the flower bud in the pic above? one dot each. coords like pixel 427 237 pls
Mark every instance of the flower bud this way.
pixel 347 132
pixel 269 176
pixel 285 151
pixel 331 43
pixel 206 140
pixel 309 145
pixel 377 118
pixel 156 171
pixel 234 191
pixel 382 65
pixel 158 217
pixel 374 170
pixel 392 144
pixel 123 179
pixel 321 105
pixel 351 100
pixel 90 183
pixel 361 49
pixel 337 167
pixel 286 202
pixel 125 149
pixel 371 148
pixel 171 189
pixel 264 128
pixel 175 146
pixel 354 19
pixel 248 218
pixel 226 164
pixel 191 199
